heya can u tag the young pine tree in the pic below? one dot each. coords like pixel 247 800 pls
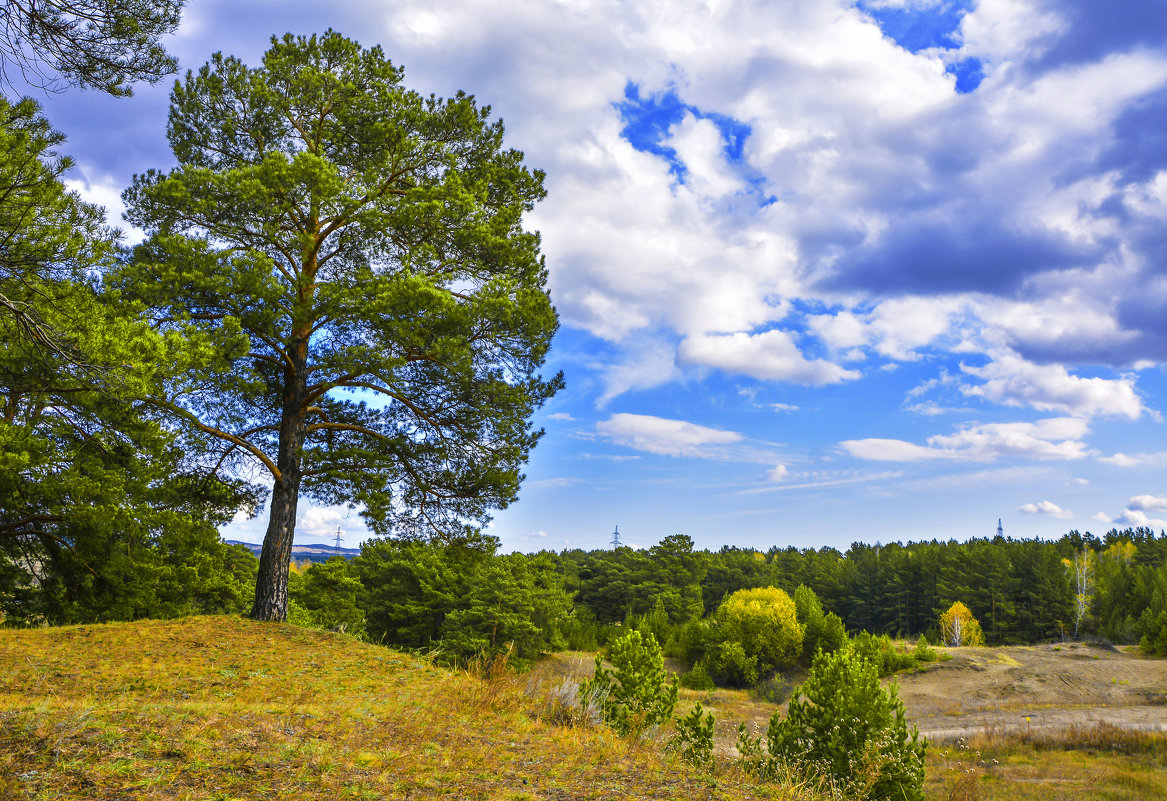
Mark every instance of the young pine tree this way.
pixel 844 727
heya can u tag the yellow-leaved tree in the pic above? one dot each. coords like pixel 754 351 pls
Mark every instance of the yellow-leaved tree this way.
pixel 754 632
pixel 959 627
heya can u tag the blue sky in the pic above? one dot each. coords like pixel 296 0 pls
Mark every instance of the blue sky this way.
pixel 827 271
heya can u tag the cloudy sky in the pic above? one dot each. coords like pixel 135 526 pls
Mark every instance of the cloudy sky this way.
pixel 827 271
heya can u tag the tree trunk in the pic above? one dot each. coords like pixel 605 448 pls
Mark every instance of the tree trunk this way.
pixel 271 585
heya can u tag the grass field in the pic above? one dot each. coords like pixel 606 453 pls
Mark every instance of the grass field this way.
pixel 224 708
pixel 1097 763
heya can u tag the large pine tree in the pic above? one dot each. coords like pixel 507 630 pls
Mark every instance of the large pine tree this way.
pixel 329 232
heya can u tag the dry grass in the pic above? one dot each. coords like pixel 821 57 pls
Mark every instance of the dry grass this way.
pixel 1075 764
pixel 224 708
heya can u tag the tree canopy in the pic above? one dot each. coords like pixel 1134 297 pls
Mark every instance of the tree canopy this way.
pixel 97 44
pixel 100 515
pixel 330 232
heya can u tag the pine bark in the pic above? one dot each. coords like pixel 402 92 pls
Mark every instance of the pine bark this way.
pixel 271 584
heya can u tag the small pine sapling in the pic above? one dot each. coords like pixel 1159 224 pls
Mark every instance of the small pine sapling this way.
pixel 634 696
pixel 842 726
pixel 694 738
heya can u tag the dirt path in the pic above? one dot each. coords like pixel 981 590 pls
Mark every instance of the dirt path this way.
pixel 1036 687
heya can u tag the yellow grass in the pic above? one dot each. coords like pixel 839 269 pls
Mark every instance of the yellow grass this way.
pixel 224 708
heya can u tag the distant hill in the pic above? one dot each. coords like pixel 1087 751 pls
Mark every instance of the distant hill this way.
pixel 313 553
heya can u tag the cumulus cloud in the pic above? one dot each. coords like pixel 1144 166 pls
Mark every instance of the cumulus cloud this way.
pixel 1051 439
pixel 1045 508
pixel 771 355
pixel 1148 503
pixel 322 522
pixel 777 473
pixel 665 437
pixel 1051 388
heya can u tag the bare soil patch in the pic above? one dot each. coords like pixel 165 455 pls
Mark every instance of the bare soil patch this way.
pixel 1025 688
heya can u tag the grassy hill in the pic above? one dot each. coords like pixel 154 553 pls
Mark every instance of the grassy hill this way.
pixel 225 708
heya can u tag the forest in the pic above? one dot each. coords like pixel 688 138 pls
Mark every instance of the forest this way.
pixel 460 598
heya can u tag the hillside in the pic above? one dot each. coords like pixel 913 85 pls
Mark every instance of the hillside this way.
pixel 225 708
pixel 317 552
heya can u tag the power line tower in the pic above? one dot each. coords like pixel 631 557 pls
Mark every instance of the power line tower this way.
pixel 615 543
pixel 1000 529
pixel 337 538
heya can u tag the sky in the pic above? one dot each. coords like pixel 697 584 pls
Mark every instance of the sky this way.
pixel 827 271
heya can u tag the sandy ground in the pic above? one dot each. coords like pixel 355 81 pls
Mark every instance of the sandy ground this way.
pixel 1011 689
pixel 1032 687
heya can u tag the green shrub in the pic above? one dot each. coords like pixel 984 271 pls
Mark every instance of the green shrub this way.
pixel 729 664
pixel 694 738
pixel 697 678
pixel 881 652
pixel 327 594
pixel 773 690
pixel 844 727
pixel 634 696
pixel 824 632
pixel 753 633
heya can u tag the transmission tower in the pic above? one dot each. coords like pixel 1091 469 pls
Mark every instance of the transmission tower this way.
pixel 615 543
pixel 337 538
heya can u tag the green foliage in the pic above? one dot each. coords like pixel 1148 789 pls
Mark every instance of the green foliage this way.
pixel 617 585
pixel 654 622
pixel 881 653
pixel 823 631
pixel 633 696
pixel 694 737
pixel 329 594
pixel 461 598
pixel 728 664
pixel 843 726
pixel 97 44
pixel 582 632
pixel 773 690
pixel 102 516
pixel 752 756
pixel 326 231
pixel 697 678
pixel 754 633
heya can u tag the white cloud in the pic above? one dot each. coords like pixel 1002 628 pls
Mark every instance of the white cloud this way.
pixel 1054 438
pixel 322 522
pixel 1148 503
pixel 777 473
pixel 771 356
pixel 1135 518
pixel 644 363
pixel 948 482
pixel 553 483
pixel 1045 508
pixel 561 416
pixel 666 437
pixel 1158 459
pixel 823 480
pixel 1050 388
pixel 896 329
pixel 701 148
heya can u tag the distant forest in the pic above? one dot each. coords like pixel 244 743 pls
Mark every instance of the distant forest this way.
pixel 463 597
